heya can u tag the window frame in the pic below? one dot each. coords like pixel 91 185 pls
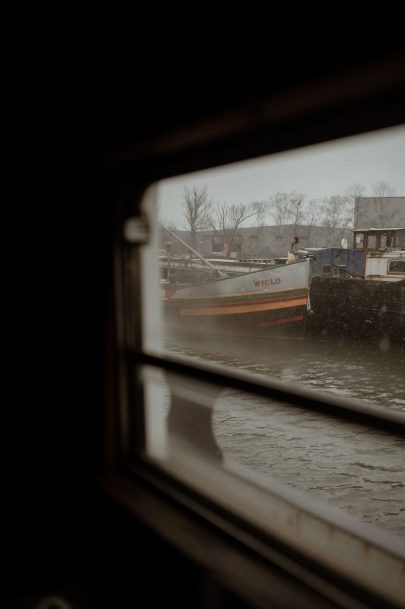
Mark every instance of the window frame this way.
pixel 316 112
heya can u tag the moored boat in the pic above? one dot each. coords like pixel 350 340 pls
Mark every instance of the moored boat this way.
pixel 364 298
pixel 275 296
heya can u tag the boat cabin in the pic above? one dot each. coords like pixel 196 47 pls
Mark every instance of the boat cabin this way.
pixel 383 252
pixel 377 239
pixel 377 254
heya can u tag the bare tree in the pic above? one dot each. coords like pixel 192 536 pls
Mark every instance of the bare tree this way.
pixel 287 208
pixel 260 208
pixel 228 218
pixel 197 210
pixel 312 216
pixel 280 208
pixel 336 216
pixel 382 191
pixel 352 194
pixel 296 209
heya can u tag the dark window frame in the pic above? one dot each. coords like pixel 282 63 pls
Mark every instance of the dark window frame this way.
pixel 319 112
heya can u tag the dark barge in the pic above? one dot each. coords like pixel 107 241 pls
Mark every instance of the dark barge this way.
pixel 364 297
pixel 357 309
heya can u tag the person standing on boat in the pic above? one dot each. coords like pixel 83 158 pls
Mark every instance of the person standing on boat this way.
pixel 292 254
pixel 294 246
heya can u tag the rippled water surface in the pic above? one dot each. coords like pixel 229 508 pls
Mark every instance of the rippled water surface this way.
pixel 355 469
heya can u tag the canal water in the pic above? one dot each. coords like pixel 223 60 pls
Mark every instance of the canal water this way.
pixel 353 468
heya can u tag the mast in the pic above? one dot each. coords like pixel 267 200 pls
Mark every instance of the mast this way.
pixel 199 256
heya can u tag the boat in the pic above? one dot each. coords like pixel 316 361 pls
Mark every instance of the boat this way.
pixel 365 296
pixel 383 253
pixel 377 254
pixel 258 301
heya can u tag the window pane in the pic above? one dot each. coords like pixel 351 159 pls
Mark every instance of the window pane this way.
pixel 357 470
pixel 275 267
pixel 333 489
pixel 287 265
pixel 397 266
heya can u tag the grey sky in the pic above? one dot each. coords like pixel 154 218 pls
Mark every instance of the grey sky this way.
pixel 315 171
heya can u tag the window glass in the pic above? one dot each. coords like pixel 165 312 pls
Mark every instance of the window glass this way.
pixel 397 266
pixel 259 253
pixel 331 488
pixel 357 470
pixel 251 268
pixel 372 242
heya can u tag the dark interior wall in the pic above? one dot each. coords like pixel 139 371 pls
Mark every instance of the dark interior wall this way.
pixel 60 255
pixel 59 289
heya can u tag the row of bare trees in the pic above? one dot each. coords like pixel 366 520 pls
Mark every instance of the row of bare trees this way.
pixel 284 208
pixel 199 212
pixel 336 211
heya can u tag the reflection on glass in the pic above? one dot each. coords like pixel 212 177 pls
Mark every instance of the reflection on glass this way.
pixel 354 469
pixel 357 470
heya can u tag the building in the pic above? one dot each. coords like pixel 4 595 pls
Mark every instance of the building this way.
pixel 258 241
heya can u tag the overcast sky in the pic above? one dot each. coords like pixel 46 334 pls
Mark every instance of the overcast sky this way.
pixel 315 171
